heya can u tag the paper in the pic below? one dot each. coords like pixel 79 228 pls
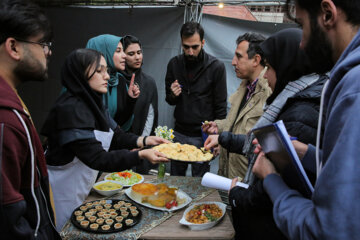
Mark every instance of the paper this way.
pixel 222 183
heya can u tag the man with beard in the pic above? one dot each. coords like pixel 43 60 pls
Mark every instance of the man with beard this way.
pixel 25 210
pixel 331 35
pixel 196 84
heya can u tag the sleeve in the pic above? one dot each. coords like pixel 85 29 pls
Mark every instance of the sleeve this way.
pixel 91 153
pixel 220 92
pixel 220 124
pixel 332 212
pixel 129 109
pixel 123 140
pixel 169 79
pixel 251 200
pixel 232 142
pixel 149 122
pixel 13 208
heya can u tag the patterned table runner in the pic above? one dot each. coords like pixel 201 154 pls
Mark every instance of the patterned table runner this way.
pixel 150 217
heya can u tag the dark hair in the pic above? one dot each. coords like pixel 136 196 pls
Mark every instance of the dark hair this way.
pixel 351 8
pixel 190 28
pixel 254 40
pixel 128 40
pixel 23 19
pixel 87 58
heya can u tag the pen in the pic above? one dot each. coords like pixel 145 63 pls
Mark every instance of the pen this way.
pixel 293 138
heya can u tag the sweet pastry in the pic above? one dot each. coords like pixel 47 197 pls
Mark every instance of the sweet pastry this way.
pixel 84 223
pixel 78 213
pixel 156 195
pixel 119 219
pixel 94 226
pixel 118 225
pixel 100 221
pixel 183 152
pixel 109 222
pixel 80 218
pixel 106 216
pixel 113 215
pixel 92 219
pixel 128 222
pixel 134 212
pixel 105 227
pixel 124 214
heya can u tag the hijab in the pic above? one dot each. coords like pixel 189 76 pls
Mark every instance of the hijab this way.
pixel 79 107
pixel 281 50
pixel 107 44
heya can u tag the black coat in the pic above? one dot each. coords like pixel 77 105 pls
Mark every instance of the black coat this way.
pixel 202 98
pixel 252 207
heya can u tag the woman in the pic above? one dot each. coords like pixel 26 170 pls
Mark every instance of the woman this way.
pixel 83 138
pixel 295 100
pixel 146 107
pixel 121 97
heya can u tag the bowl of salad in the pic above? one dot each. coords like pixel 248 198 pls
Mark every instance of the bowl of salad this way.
pixel 203 215
pixel 126 178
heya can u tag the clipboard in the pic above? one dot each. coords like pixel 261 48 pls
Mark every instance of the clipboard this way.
pixel 276 144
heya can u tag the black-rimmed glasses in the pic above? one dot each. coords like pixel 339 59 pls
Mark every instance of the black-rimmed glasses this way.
pixel 46 45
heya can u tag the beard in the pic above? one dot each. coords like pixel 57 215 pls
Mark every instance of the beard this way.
pixel 319 49
pixel 30 69
pixel 193 59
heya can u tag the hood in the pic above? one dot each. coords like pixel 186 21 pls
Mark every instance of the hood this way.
pixel 11 100
pixel 348 59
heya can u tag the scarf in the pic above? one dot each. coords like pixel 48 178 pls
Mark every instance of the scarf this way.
pixel 107 44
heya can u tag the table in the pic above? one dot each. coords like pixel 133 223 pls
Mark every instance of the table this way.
pixel 166 225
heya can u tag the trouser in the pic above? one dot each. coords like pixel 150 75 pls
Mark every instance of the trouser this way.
pixel 197 169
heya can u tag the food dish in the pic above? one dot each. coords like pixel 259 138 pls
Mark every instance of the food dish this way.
pixel 182 198
pixel 184 152
pixel 102 225
pixel 158 195
pixel 203 226
pixel 107 187
pixel 126 178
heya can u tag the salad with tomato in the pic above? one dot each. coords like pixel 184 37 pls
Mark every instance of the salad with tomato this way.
pixel 126 178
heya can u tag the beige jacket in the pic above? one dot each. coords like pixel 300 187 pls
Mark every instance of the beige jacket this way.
pixel 236 165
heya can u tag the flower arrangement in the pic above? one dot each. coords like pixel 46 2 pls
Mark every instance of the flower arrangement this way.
pixel 165 133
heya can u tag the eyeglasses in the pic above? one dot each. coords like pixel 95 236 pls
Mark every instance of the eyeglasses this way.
pixel 194 47
pixel 46 45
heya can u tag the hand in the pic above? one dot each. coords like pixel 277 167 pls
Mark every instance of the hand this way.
pixel 258 148
pixel 263 167
pixel 210 128
pixel 211 141
pixel 216 150
pixel 133 91
pixel 300 148
pixel 152 156
pixel 233 183
pixel 153 140
pixel 176 88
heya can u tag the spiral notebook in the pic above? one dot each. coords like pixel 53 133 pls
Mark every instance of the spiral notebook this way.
pixel 276 144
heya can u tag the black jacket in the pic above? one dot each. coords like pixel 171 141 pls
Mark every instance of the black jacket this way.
pixel 202 98
pixel 148 95
pixel 300 116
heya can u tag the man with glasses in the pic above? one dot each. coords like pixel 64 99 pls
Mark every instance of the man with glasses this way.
pixel 196 84
pixel 25 206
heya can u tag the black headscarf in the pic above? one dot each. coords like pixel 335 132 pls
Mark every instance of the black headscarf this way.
pixel 80 106
pixel 282 52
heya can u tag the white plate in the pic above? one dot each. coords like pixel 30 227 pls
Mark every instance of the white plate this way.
pixel 194 226
pixel 124 185
pixel 180 194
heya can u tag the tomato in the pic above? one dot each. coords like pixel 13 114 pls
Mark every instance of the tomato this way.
pixel 198 212
pixel 168 205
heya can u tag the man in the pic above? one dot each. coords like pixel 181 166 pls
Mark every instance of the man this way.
pixel 146 107
pixel 330 34
pixel 246 103
pixel 25 210
pixel 196 85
